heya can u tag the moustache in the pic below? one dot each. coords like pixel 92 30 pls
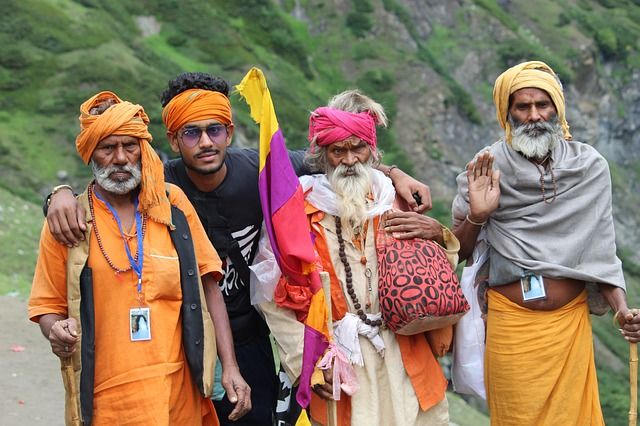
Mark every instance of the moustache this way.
pixel 535 130
pixel 206 152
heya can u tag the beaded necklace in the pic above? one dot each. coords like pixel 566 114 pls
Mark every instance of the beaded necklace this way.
pixel 542 170
pixel 97 234
pixel 349 278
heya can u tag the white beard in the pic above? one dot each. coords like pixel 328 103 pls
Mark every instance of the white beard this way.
pixel 535 140
pixel 102 174
pixel 351 191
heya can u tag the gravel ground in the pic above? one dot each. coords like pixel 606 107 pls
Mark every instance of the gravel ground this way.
pixel 31 390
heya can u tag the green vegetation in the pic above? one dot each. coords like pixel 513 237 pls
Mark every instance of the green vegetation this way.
pixel 359 20
pixel 20 223
pixel 458 95
pixel 615 27
pixel 462 414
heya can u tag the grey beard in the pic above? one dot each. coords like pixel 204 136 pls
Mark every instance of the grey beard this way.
pixel 535 140
pixel 351 191
pixel 101 174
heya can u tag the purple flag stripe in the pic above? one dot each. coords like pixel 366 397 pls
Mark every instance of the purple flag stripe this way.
pixel 315 343
pixel 277 183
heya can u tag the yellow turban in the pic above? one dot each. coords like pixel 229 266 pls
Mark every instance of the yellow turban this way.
pixel 195 105
pixel 533 74
pixel 127 119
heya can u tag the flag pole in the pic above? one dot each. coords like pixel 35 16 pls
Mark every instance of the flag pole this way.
pixel 332 409
pixel 633 384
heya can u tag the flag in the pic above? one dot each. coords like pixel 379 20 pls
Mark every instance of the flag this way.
pixel 287 227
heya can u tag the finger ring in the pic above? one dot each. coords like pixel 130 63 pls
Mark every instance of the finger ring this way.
pixel 66 348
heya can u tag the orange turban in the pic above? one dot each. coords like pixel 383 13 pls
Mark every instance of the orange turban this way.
pixel 195 105
pixel 127 119
pixel 533 74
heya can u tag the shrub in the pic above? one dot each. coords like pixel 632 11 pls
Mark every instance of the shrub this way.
pixel 359 20
pixel 359 24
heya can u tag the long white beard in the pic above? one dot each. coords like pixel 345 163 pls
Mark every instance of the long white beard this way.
pixel 102 174
pixel 352 191
pixel 535 140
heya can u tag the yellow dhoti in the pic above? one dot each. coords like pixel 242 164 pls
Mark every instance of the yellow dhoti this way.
pixel 539 365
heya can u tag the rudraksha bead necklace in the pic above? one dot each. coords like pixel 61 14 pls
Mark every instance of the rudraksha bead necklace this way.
pixel 95 230
pixel 542 170
pixel 349 279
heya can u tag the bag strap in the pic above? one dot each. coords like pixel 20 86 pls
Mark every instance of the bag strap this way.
pixel 236 256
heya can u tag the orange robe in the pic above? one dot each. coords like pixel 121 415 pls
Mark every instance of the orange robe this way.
pixel 144 382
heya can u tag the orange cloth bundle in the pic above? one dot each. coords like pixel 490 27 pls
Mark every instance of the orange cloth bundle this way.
pixel 125 118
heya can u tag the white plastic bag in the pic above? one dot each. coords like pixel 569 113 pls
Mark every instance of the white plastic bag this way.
pixel 467 372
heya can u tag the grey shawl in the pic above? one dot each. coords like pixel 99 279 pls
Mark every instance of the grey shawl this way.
pixel 572 237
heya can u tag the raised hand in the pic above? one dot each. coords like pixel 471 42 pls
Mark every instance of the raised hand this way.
pixel 484 187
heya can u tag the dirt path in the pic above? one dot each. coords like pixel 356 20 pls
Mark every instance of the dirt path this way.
pixel 31 391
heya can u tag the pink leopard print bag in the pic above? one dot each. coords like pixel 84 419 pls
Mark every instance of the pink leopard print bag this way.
pixel 418 288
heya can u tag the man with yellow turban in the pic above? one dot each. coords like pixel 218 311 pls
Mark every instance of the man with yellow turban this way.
pixel 545 213
pixel 222 184
pixel 143 243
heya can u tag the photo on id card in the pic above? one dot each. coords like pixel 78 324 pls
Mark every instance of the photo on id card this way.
pixel 139 324
pixel 532 287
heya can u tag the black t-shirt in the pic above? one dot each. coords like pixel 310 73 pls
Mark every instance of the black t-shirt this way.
pixel 232 212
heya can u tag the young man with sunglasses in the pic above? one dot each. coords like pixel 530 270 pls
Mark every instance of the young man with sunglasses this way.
pixel 222 184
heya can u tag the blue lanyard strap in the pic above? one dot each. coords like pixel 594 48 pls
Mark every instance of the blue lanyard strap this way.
pixel 136 264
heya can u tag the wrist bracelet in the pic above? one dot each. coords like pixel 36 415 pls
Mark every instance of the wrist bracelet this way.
pixel 388 173
pixel 614 320
pixel 56 190
pixel 475 223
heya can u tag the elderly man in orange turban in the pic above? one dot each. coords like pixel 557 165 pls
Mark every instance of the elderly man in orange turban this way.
pixel 545 213
pixel 143 243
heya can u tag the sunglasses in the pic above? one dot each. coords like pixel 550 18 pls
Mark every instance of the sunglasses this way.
pixel 191 135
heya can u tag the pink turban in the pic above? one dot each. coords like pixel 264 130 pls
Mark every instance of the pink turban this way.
pixel 329 125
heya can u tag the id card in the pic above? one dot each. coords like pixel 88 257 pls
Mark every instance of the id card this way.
pixel 139 324
pixel 532 287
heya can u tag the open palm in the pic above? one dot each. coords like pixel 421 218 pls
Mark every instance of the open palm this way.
pixel 484 187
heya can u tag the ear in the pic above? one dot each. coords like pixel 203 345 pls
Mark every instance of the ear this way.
pixel 173 141
pixel 229 135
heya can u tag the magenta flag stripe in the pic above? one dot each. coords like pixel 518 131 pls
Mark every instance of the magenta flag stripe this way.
pixel 315 343
pixel 277 183
pixel 284 181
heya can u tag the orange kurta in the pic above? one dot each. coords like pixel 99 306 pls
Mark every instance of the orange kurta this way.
pixel 144 382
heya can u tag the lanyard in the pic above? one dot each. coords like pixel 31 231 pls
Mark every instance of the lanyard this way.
pixel 135 265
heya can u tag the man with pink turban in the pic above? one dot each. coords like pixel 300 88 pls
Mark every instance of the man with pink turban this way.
pixel 387 378
pixel 145 258
pixel 545 213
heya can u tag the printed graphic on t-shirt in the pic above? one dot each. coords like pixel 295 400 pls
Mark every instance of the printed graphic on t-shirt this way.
pixel 247 240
